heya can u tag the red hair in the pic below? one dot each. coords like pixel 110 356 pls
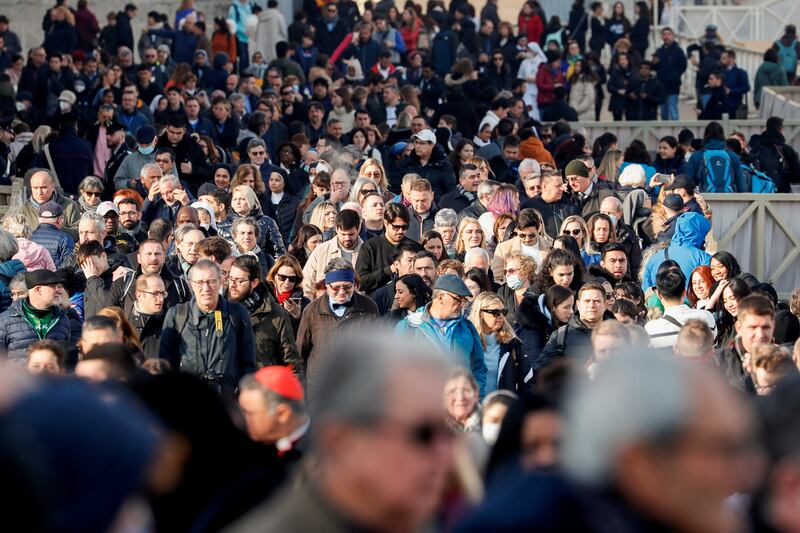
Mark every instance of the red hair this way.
pixel 705 275
pixel 129 193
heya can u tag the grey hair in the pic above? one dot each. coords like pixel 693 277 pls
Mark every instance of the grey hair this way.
pixel 353 150
pixel 181 232
pixel 91 182
pixel 337 263
pixel 614 200
pixel 169 178
pixel 8 246
pixel 250 221
pixel 18 282
pixel 271 399
pixel 445 217
pixel 91 216
pixel 348 170
pixel 358 185
pixel 410 178
pixel 17 225
pixel 150 167
pixel 487 188
pixel 529 166
pixel 205 264
pixel 477 251
pixel 255 143
pixel 602 419
pixel 352 381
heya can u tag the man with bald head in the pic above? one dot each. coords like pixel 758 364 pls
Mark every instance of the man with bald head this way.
pixel 43 189
pixel 626 235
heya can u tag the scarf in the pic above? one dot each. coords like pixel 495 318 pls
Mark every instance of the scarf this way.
pixel 466 194
pixel 85 207
pixel 255 298
pixel 283 296
pixel 41 320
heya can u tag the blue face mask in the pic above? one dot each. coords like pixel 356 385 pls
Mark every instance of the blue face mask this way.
pixel 147 150
pixel 613 220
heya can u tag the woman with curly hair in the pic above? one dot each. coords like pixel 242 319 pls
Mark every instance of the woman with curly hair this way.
pixel 250 175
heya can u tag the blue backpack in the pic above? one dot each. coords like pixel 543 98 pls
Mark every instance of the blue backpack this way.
pixel 759 182
pixel 716 173
pixel 788 55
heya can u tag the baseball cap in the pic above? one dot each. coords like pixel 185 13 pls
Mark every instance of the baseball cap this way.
pixel 452 284
pixel 50 210
pixel 674 202
pixel 397 148
pixel 42 276
pixel 280 380
pixel 682 181
pixel 426 136
pixel 24 95
pixel 145 134
pixel 104 208
pixel 67 96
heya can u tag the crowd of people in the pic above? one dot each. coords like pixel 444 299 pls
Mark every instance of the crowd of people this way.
pixel 366 271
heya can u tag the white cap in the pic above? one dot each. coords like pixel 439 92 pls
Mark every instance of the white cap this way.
pixel 426 135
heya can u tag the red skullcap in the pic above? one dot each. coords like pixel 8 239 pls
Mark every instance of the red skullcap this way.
pixel 280 380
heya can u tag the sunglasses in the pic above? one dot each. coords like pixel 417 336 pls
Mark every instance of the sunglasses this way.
pixel 92 193
pixel 293 279
pixel 495 312
pixel 398 227
pixel 572 232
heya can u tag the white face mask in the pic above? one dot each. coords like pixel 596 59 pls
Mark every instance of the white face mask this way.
pixel 490 431
pixel 20 106
pixel 514 282
pixel 64 106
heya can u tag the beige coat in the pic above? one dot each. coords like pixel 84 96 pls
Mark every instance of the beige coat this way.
pixel 581 98
pixel 505 249
pixel 314 270
pixel 270 31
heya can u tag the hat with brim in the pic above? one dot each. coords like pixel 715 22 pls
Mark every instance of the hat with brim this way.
pixel 42 276
pixel 452 284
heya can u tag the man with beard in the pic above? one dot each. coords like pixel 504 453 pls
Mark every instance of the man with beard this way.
pixel 189 157
pixel 132 231
pixel 147 316
pixel 150 258
pixel 115 140
pixel 272 325
pixel 615 261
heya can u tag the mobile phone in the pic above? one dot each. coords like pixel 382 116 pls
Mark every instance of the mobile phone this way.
pixel 296 300
pixel 662 178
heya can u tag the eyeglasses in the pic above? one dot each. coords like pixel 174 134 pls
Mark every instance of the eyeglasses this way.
pixel 422 434
pixel 234 281
pixel 287 93
pixel 92 193
pixel 341 288
pixel 399 227
pixel 293 279
pixel 207 282
pixel 527 236
pixel 465 392
pixel 495 312
pixel 157 294
pixel 365 191
pixel 572 232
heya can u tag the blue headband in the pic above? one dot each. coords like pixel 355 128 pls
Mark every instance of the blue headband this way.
pixel 340 275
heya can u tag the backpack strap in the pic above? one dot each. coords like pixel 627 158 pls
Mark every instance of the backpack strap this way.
pixel 666 254
pixel 561 338
pixel 181 317
pixel 129 281
pixel 672 320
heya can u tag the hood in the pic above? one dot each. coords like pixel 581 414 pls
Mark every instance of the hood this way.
pixel 11 268
pixel 220 59
pixel 691 230
pixel 530 315
pixel 714 144
pixel 208 209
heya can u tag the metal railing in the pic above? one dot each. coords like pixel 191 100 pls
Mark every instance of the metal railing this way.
pixel 649 132
pixel 763 232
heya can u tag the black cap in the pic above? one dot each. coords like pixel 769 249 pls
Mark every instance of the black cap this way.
pixel 42 276
pixel 112 126
pixel 682 181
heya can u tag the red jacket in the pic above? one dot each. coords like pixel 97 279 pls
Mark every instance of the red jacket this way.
pixel 546 81
pixel 532 26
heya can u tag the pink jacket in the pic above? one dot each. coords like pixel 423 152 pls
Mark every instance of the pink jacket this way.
pixel 34 255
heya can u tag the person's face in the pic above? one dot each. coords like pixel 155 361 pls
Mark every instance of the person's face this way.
pixel 730 301
pixel 175 135
pixel 263 421
pixel 470 179
pixel 42 187
pixel 421 201
pixel 115 139
pixel 700 287
pixel 89 231
pixel 347 238
pixel 616 263
pixel 403 297
pixel 564 311
pixel 186 216
pixel 98 337
pixel 644 72
pixel 425 268
pixel 329 218
pixel 607 345
pixel 192 108
pixel 258 155
pixel 335 129
pixel 591 306
pixel 396 230
pixel 285 278
pixel 276 183
pixel 667 36
pixel 623 61
pixel 665 151
pixel 151 299
pixel 533 187
pixel 601 231
pixel 221 178
pixel 373 208
pixel 151 258
pixel 511 153
pixel 43 362
pixel 91 197
pixel 578 183
pixel 239 284
pixel 55 64
pixel 448 233
pixel 460 398
pixel 718 270
pixel 493 316
pixel 467 152
pixel 362 120
pixel 473 287
pixel 424 149
pixel 245 237
pixel 574 229
pixel 562 275
pixel 714 81
pixel 165 163
pixel 340 291
pixel 239 203
pixel 205 286
pixel 528 236
pixel 551 189
pixel 168 192
pixel 472 236
pixel 541 435
pixel 188 246
pixel 112 223
pixel 313 241
pixel 220 112
pixel 315 115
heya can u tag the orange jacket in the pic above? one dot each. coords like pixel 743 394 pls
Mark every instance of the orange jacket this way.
pixel 221 42
pixel 533 148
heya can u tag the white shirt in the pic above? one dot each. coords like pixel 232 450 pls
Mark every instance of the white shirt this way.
pixel 664 332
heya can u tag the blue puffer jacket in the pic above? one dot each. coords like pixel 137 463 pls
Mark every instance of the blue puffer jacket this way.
pixel 684 248
pixel 459 337
pixel 8 270
pixel 16 333
pixel 59 243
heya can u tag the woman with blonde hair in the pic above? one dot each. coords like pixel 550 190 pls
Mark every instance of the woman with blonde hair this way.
pixel 574 226
pixel 502 350
pixel 520 272
pixel 470 235
pixel 244 203
pixel 324 217
pixel 609 166
pixel 373 169
pixel 129 334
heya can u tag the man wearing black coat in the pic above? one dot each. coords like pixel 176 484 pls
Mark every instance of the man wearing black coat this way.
pixel 124 30
pixel 374 264
pixel 115 140
pixel 717 103
pixel 189 157
pixel 551 203
pixel 645 93
pixel 431 87
pixel 50 82
pixel 331 30
pixel 467 191
pixel 429 161
pixel 71 156
pixel 148 312
pixel 775 158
